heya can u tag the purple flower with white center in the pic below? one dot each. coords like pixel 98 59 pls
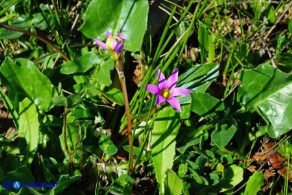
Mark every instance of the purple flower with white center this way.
pixel 166 89
pixel 113 44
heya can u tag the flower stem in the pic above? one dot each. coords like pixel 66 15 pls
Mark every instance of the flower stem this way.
pixel 120 70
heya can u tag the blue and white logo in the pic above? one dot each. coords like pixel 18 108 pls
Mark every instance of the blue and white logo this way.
pixel 16 185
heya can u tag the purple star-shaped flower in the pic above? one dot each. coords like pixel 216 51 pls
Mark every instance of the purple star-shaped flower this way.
pixel 166 89
pixel 114 45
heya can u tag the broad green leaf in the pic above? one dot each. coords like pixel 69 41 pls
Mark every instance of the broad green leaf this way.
pixel 136 150
pixel 30 191
pixel 185 111
pixel 269 91
pixel 21 174
pixel 163 142
pixel 60 101
pixel 72 133
pixel 23 22
pixel 102 73
pixel 106 145
pixel 73 100
pixel 25 76
pixel 64 182
pixel 80 65
pixel 173 184
pixel 199 77
pixel 187 145
pixel 257 9
pixel 254 183
pixel 182 170
pixel 223 134
pixel 126 16
pixel 232 176
pixel 185 101
pixel 204 104
pixel 43 23
pixel 83 113
pixel 270 13
pixel 122 185
pixel 28 131
pixel 114 95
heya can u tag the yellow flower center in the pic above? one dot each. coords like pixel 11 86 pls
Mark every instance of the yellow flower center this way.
pixel 165 93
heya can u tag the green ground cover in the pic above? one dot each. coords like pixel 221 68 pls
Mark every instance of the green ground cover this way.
pixel 145 97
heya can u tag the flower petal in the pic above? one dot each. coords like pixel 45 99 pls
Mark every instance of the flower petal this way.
pixel 159 75
pixel 153 89
pixel 172 80
pixel 121 36
pixel 177 91
pixel 108 34
pixel 119 47
pixel 100 43
pixel 159 99
pixel 174 103
pixel 162 82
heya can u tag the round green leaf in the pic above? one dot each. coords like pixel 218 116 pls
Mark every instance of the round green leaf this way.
pixel 223 135
pixel 106 145
pixel 269 91
pixel 254 183
pixel 24 75
pixel 126 16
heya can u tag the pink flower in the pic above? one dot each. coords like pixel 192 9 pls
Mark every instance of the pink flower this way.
pixel 166 89
pixel 114 45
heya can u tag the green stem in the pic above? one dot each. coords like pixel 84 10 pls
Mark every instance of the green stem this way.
pixel 120 70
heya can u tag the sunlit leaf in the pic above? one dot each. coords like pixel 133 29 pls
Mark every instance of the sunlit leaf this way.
pixel 223 134
pixel 204 104
pixel 28 131
pixel 254 183
pixel 126 16
pixel 25 76
pixel 173 184
pixel 114 95
pixel 106 145
pixel 163 142
pixel 269 91
pixel 80 65
pixel 232 176
pixel 122 185
pixel 102 72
